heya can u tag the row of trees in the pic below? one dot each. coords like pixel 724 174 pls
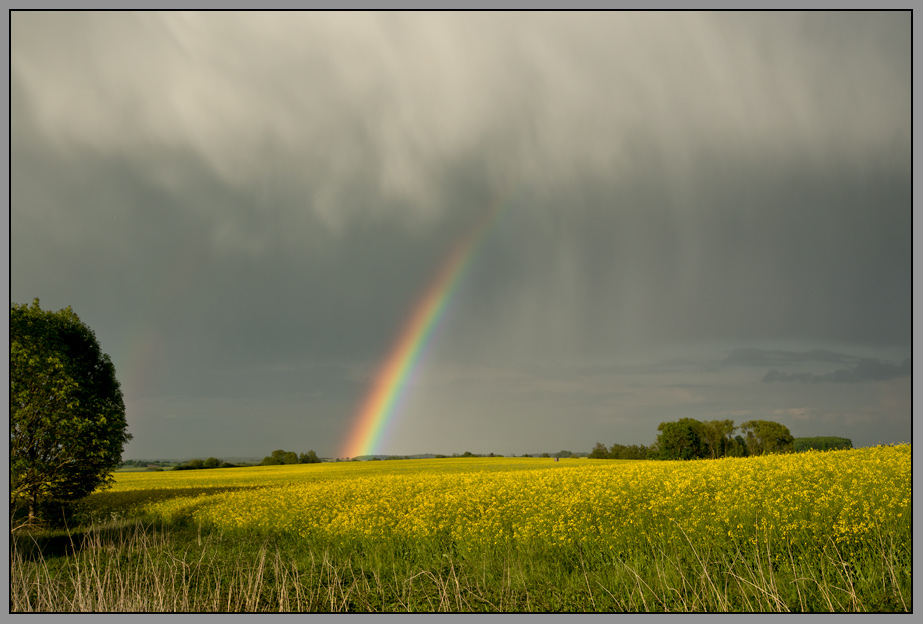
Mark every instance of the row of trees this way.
pixel 559 454
pixel 144 463
pixel 279 457
pixel 620 451
pixel 823 443
pixel 688 438
pixel 201 464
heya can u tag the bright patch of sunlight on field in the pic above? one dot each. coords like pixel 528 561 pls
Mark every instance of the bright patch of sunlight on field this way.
pixel 611 506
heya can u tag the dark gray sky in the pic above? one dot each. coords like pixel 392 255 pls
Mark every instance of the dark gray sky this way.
pixel 704 215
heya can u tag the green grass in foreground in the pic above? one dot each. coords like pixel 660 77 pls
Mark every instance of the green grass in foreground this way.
pixel 131 567
pixel 806 532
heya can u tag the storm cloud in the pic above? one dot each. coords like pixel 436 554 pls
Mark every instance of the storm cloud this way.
pixel 868 369
pixel 247 207
pixel 762 357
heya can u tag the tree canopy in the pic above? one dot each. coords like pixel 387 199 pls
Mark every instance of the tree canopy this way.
pixel 279 457
pixel 822 443
pixel 620 451
pixel 688 438
pixel 766 436
pixel 682 439
pixel 67 414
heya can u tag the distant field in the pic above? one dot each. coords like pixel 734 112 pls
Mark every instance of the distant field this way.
pixel 611 506
pixel 828 531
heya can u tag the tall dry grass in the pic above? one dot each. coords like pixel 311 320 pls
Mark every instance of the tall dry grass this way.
pixel 141 568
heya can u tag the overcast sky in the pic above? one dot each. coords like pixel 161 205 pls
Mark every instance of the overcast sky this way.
pixel 704 215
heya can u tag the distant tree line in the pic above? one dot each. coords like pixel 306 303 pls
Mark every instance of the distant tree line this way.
pixel 144 463
pixel 558 454
pixel 688 438
pixel 824 443
pixel 201 464
pixel 280 457
pixel 620 451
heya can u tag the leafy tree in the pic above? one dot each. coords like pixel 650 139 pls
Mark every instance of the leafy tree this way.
pixel 599 451
pixel 192 464
pixel 211 462
pixel 736 447
pixel 716 434
pixel 620 451
pixel 280 457
pixel 563 454
pixel 766 436
pixel 681 439
pixel 309 458
pixel 67 414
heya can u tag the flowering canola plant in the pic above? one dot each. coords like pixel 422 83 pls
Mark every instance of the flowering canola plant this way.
pixel 617 507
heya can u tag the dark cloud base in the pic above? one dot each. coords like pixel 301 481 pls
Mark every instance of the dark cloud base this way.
pixel 868 369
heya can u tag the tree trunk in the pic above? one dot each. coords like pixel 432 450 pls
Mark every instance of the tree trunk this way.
pixel 33 505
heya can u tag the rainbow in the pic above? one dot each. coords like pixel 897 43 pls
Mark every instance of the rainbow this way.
pixel 378 408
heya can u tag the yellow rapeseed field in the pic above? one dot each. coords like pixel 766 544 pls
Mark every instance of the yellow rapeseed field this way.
pixel 805 499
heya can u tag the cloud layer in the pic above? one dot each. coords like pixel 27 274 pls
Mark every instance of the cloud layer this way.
pixel 868 369
pixel 249 206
